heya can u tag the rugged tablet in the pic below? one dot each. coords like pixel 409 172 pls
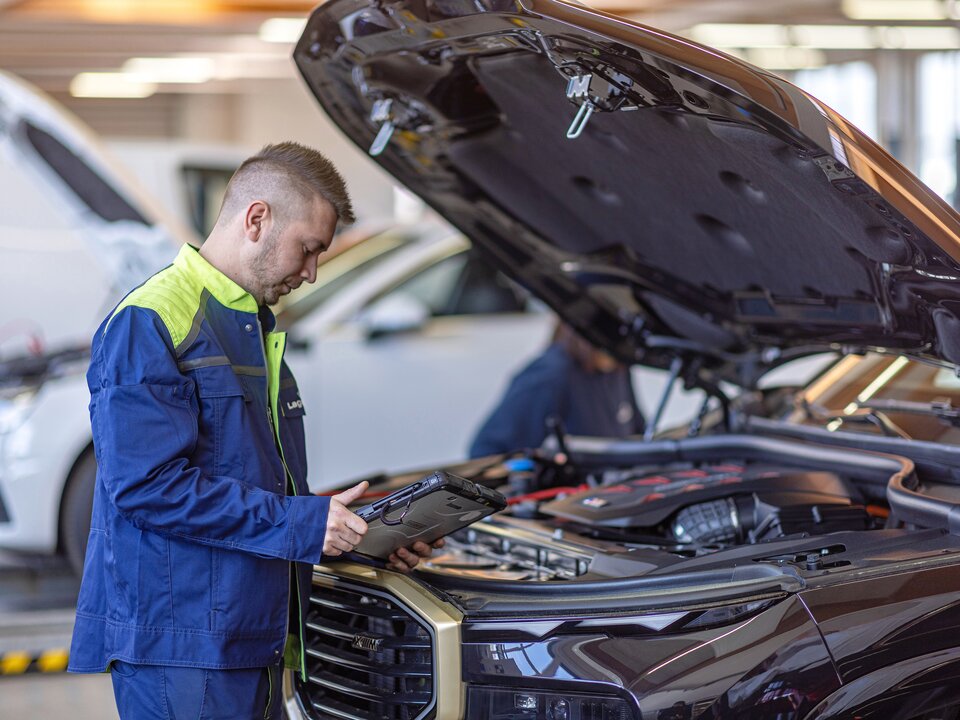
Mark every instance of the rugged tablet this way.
pixel 430 508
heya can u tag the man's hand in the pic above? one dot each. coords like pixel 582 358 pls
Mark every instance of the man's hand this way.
pixel 344 528
pixel 405 559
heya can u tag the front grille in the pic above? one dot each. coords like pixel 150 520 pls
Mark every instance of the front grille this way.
pixel 368 656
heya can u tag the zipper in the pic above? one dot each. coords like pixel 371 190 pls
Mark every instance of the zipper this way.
pixel 266 710
pixel 273 431
pixel 273 395
pixel 266 365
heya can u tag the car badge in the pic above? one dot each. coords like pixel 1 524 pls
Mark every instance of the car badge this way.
pixel 596 502
pixel 365 642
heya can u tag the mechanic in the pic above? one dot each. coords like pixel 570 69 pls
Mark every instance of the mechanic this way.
pixel 585 389
pixel 204 532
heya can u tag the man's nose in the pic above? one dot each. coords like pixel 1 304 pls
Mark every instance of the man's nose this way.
pixel 309 272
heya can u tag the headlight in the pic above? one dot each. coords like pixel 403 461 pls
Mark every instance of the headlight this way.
pixel 15 410
pixel 485 703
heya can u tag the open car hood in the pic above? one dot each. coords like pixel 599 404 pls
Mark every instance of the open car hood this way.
pixel 674 204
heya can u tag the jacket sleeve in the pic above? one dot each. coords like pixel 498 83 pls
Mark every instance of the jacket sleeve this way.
pixel 145 424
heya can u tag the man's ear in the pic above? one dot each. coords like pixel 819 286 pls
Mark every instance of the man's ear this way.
pixel 255 220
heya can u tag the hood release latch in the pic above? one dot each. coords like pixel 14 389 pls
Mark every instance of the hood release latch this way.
pixel 594 91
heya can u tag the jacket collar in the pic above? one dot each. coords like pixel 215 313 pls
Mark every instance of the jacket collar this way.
pixel 225 290
pixel 268 321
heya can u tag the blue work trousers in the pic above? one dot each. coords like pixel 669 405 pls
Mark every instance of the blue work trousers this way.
pixel 163 692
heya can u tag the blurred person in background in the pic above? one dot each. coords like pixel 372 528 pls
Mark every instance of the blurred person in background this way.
pixel 585 389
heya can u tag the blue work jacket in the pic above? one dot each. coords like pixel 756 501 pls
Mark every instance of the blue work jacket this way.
pixel 600 404
pixel 201 501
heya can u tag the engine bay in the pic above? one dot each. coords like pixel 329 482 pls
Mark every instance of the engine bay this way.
pixel 627 509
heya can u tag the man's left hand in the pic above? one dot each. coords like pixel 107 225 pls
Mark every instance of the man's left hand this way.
pixel 406 559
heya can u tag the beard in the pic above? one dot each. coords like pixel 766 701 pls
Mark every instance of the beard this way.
pixel 271 296
pixel 263 269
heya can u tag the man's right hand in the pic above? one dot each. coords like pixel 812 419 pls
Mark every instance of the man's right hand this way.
pixel 344 528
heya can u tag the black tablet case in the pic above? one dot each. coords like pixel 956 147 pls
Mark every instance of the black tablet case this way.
pixel 430 508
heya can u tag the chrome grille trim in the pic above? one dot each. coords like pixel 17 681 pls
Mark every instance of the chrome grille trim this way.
pixel 335 710
pixel 344 686
pixel 372 649
pixel 340 631
pixel 358 662
pixel 378 612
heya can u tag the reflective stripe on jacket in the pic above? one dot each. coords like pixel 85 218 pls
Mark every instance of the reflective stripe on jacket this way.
pixel 201 497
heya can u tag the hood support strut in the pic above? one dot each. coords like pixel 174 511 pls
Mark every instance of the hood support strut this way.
pixel 675 367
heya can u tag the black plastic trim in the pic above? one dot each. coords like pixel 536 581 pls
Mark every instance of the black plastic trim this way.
pixel 82 180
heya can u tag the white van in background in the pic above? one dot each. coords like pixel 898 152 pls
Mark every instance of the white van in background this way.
pixel 75 233
pixel 186 178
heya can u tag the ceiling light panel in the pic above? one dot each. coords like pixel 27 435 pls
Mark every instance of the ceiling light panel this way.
pixel 109 85
pixel 282 29
pixel 177 69
pixel 919 38
pixel 834 37
pixel 896 9
pixel 738 35
pixel 786 58
pixel 828 37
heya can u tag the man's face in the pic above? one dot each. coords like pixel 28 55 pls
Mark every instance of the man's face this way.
pixel 290 250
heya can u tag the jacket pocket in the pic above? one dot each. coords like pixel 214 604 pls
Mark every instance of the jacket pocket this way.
pixel 223 417
pixel 218 381
pixel 251 593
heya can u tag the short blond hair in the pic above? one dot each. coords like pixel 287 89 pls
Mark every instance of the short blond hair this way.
pixel 284 168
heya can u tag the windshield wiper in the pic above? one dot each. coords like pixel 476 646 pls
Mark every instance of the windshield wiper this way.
pixel 874 417
pixel 942 409
pixel 874 412
pixel 869 413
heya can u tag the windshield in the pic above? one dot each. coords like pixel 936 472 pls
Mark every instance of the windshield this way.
pixel 885 395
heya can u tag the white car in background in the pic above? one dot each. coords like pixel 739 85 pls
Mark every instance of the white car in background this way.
pixel 75 232
pixel 391 368
pixel 400 349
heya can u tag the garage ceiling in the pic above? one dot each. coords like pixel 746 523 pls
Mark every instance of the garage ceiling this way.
pixel 49 42
pixel 192 57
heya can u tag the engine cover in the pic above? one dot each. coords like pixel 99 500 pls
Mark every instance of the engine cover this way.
pixel 718 503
